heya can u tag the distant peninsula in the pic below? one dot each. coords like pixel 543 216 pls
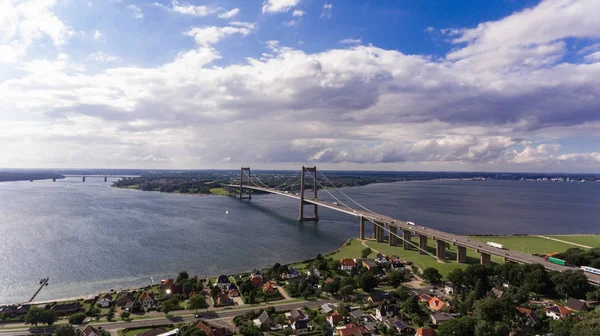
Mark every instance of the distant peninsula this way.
pixel 28 176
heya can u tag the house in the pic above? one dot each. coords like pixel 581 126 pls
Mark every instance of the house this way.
pixel 435 304
pixel 448 287
pixel 300 326
pixel 212 332
pixel 269 289
pixel 223 299
pixel 495 293
pixel 377 297
pixel 105 301
pixel 292 273
pixel 327 308
pixel 147 299
pixel 384 312
pixel 9 311
pixel 425 332
pixel 314 272
pixel 67 308
pixel 170 287
pixel 424 297
pixel 90 298
pixel 257 280
pixel 132 307
pixel 263 321
pixel 255 272
pixel 90 331
pixel 124 297
pixel 399 325
pixel 351 329
pixel 358 315
pixel 22 309
pixel 223 281
pixel 576 305
pixel 371 327
pixel 335 318
pixel 529 318
pixel 557 312
pixel 295 315
pixel 369 264
pixel 233 290
pixel 439 318
pixel 347 264
pixel 396 263
pixel 381 259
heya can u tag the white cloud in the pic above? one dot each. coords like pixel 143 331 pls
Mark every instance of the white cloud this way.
pixel 429 29
pixel 278 6
pixel 210 35
pixel 298 12
pixel 292 23
pixel 102 57
pixel 326 12
pixel 229 14
pixel 350 41
pixel 24 22
pixel 97 34
pixel 136 12
pixel 188 9
pixel 248 25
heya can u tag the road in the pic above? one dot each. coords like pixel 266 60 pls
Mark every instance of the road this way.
pixel 219 316
pixel 509 255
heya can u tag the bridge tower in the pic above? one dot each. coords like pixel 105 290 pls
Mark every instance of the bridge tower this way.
pixel 313 171
pixel 245 170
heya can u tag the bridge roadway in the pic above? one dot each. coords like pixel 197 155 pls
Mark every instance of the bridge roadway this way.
pixel 506 254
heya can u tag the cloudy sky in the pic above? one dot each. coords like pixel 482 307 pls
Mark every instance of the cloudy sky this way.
pixel 425 85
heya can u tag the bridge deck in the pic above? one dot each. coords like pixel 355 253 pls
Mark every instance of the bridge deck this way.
pixel 511 255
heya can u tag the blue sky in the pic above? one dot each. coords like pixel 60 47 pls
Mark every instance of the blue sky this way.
pixel 394 85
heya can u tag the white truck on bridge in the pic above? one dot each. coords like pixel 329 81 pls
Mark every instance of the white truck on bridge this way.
pixel 496 245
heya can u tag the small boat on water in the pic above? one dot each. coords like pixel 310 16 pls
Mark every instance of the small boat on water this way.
pixel 227 212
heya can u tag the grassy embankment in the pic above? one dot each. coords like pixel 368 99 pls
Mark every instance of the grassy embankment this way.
pixel 218 191
pixel 529 244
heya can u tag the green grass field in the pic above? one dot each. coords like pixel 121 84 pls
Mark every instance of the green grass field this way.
pixel 218 191
pixel 592 241
pixel 528 244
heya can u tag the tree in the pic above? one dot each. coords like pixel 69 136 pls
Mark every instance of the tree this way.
pixel 395 278
pixel 182 276
pixel 457 277
pixel 49 316
pixel 491 309
pixel 34 316
pixel 110 314
pixel 196 302
pixel 249 329
pixel 326 329
pixel 432 275
pixel 170 305
pixel 332 287
pixel 365 252
pixel 252 297
pixel 367 281
pixel 347 290
pixel 77 318
pixel 536 279
pixel 590 326
pixel 570 283
pixel 479 290
pixel 342 309
pixel 215 291
pixel 474 273
pixel 411 306
pixel 562 327
pixel 463 326
pixel 67 330
pixel 125 315
pixel 333 265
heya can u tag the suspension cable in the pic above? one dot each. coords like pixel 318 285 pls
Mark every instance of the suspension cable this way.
pixel 327 191
pixel 348 197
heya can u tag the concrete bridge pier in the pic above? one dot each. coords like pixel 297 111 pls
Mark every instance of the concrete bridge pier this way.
pixel 362 227
pixel 422 244
pixel 105 179
pixel 461 254
pixel 406 235
pixel 440 250
pixel 380 234
pixel 486 259
pixel 375 230
pixel 393 233
pixel 83 179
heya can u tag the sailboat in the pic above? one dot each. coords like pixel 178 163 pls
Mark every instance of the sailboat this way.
pixel 227 212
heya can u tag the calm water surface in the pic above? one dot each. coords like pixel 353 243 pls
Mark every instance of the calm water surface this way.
pixel 89 237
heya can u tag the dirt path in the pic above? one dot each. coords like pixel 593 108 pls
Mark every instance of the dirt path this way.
pixel 364 243
pixel 284 293
pixel 566 242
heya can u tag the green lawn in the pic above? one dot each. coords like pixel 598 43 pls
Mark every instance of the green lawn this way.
pixel 528 244
pixel 136 331
pixel 351 250
pixel 592 241
pixel 219 191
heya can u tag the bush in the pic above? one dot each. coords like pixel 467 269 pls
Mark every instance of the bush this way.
pixel 125 315
pixel 77 318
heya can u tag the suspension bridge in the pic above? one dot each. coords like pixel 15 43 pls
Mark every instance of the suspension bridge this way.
pixel 399 232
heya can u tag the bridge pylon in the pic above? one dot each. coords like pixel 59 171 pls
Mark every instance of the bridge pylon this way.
pixel 249 191
pixel 315 217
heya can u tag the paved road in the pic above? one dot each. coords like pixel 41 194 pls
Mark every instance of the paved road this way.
pixel 219 316
pixel 509 255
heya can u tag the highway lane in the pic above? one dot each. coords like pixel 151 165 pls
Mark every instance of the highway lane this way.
pixel 509 255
